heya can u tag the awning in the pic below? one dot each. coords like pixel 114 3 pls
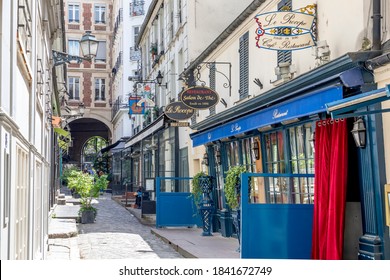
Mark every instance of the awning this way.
pixel 301 106
pixel 115 146
pixel 346 107
pixel 157 125
pixel 109 147
pixel 64 138
pixel 119 147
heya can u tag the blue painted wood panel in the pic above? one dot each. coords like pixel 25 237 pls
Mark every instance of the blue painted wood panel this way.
pixel 275 231
pixel 175 209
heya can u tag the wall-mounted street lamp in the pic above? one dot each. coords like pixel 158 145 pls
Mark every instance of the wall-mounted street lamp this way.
pixel 159 80
pixel 89 46
pixel 359 133
pixel 205 160
pixel 256 149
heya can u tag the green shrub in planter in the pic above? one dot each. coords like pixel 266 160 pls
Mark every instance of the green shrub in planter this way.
pixel 232 181
pixel 196 190
pixel 88 187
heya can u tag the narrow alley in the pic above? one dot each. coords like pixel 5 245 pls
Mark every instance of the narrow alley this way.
pixel 116 234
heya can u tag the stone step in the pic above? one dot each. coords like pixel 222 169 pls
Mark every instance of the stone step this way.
pixel 62 228
pixel 61 201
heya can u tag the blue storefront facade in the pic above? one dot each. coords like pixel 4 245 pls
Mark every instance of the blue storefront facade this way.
pixel 273 136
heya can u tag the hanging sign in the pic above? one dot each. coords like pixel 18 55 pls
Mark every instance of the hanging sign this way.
pixel 179 124
pixel 286 30
pixel 199 98
pixel 178 111
pixel 134 109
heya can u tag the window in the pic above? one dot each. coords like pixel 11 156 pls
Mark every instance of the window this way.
pixel 244 66
pixel 137 8
pixel 183 169
pixel 74 13
pixel 136 34
pixel 74 88
pixel 74 47
pixel 289 151
pixel 100 13
pixel 101 52
pixel 100 89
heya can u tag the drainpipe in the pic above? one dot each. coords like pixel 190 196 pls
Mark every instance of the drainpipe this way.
pixel 376 25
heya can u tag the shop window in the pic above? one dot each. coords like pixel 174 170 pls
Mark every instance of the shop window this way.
pixel 288 151
pixel 232 151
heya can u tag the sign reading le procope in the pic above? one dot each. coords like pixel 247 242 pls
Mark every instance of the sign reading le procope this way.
pixel 199 98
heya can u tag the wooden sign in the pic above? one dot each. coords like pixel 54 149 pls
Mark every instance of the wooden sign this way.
pixel 199 98
pixel 178 111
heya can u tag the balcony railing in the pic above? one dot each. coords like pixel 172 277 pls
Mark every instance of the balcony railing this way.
pixel 120 103
pixel 118 20
pixel 118 63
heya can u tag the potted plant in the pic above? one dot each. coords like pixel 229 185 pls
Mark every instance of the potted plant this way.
pixel 88 187
pixel 196 190
pixel 232 194
pixel 232 185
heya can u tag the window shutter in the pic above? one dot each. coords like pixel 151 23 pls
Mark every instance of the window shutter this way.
pixel 101 51
pixel 244 66
pixel 284 56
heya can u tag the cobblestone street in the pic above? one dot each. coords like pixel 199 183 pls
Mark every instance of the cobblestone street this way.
pixel 116 234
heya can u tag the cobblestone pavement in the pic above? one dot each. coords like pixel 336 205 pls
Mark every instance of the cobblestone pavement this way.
pixel 117 234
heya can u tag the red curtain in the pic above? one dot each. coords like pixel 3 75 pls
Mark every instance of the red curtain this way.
pixel 331 158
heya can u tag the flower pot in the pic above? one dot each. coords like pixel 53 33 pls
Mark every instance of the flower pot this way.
pixel 87 217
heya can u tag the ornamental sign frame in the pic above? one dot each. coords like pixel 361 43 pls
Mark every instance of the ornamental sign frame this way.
pixel 199 97
pixel 287 30
pixel 178 111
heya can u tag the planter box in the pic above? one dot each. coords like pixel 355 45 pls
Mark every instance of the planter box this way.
pixel 87 217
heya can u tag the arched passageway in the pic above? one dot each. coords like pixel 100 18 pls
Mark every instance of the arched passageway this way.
pixel 82 130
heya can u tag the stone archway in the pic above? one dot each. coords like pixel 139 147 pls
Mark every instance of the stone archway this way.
pixel 81 130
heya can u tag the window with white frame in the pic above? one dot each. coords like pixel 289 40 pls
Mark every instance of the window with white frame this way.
pixel 74 47
pixel 100 88
pixel 73 13
pixel 101 52
pixel 100 13
pixel 74 88
pixel 21 212
pixel 136 34
pixel 38 208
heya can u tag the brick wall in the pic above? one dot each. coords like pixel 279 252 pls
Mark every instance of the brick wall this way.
pixel 87 16
pixel 87 89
